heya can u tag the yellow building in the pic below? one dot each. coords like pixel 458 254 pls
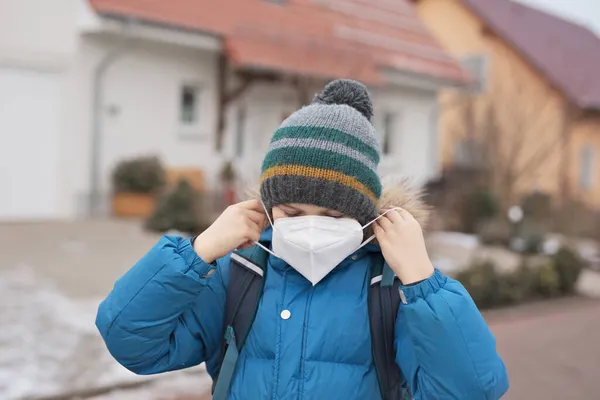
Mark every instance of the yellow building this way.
pixel 533 114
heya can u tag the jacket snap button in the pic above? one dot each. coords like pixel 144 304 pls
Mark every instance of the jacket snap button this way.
pixel 285 314
pixel 354 257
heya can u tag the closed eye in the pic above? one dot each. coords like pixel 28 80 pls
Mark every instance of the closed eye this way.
pixel 336 215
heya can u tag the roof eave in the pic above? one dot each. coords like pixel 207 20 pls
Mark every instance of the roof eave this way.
pixel 156 31
pixel 421 81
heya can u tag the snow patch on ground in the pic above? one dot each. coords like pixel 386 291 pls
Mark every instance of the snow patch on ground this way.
pixel 49 343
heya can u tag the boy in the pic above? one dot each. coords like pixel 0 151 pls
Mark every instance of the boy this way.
pixel 312 334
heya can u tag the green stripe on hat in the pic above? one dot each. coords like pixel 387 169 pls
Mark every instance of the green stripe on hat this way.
pixel 324 159
pixel 325 145
pixel 328 134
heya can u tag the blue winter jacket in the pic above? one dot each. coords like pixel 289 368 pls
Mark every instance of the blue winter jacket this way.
pixel 166 313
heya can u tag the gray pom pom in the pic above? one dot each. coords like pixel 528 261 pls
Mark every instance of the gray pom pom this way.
pixel 349 92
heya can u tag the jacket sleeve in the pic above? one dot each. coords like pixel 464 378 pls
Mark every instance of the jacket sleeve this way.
pixel 166 312
pixel 443 345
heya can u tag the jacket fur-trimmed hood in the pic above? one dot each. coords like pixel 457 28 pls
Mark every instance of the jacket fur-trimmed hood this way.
pixel 397 192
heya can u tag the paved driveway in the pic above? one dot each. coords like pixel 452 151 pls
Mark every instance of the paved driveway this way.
pixel 552 350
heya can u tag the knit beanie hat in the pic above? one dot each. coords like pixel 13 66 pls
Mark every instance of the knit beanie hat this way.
pixel 326 154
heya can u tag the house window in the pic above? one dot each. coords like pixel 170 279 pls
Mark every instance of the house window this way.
pixel 477 67
pixel 385 126
pixel 587 165
pixel 189 105
pixel 240 127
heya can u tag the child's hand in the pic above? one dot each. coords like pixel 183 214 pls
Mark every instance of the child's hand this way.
pixel 239 225
pixel 401 240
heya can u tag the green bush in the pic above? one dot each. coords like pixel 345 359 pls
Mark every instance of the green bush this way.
pixel 552 277
pixel 533 243
pixel 568 265
pixel 494 231
pixel 546 281
pixel 478 205
pixel 178 209
pixel 139 175
pixel 483 284
pixel 228 173
pixel 517 286
pixel 537 206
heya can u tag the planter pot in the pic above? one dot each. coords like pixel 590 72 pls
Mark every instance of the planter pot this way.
pixel 133 205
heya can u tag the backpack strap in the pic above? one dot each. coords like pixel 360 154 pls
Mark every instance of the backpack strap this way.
pixel 246 280
pixel 384 301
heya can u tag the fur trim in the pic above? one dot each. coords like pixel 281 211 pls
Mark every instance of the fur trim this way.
pixel 397 192
pixel 401 192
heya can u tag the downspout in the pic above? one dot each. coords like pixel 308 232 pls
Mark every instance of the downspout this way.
pixel 97 122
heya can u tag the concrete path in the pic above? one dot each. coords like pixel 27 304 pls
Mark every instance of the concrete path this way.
pixel 83 258
pixel 551 350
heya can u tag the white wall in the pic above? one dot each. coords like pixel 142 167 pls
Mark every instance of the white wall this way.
pixel 415 139
pixel 415 142
pixel 30 110
pixel 141 110
pixel 37 45
pixel 37 30
pixel 265 106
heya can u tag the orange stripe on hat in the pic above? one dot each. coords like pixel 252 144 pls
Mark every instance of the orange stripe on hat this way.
pixel 318 173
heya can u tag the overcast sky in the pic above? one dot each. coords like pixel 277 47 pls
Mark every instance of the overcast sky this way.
pixel 586 12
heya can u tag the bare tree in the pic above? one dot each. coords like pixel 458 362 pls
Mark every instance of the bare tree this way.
pixel 511 132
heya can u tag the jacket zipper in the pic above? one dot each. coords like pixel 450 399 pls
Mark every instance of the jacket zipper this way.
pixel 304 338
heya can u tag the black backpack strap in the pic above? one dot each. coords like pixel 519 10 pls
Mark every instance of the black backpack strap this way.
pixel 246 280
pixel 384 301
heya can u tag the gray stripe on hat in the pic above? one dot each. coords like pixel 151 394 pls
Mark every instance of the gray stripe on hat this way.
pixel 335 116
pixel 325 145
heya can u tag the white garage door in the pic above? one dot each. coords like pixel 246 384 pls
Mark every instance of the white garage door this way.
pixel 29 142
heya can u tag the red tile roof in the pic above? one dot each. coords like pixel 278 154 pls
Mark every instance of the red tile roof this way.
pixel 328 38
pixel 567 54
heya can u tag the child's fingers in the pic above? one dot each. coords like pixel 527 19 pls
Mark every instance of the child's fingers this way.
pixel 385 223
pixel 255 216
pixel 246 245
pixel 395 216
pixel 380 235
pixel 377 230
pixel 251 205
pixel 254 230
pixel 405 214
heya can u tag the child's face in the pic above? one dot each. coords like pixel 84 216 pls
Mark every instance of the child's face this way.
pixel 299 210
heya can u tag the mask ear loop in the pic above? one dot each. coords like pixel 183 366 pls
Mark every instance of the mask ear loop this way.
pixel 267 214
pixel 370 239
pixel 272 226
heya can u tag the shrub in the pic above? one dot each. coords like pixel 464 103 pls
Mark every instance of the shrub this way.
pixel 495 231
pixel 227 173
pixel 551 277
pixel 546 281
pixel 140 175
pixel 478 205
pixel 518 286
pixel 483 283
pixel 533 243
pixel 568 265
pixel 178 209
pixel 537 206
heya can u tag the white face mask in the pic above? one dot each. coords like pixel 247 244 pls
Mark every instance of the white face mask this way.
pixel 314 245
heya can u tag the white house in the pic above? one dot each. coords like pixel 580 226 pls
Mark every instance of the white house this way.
pixel 87 83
